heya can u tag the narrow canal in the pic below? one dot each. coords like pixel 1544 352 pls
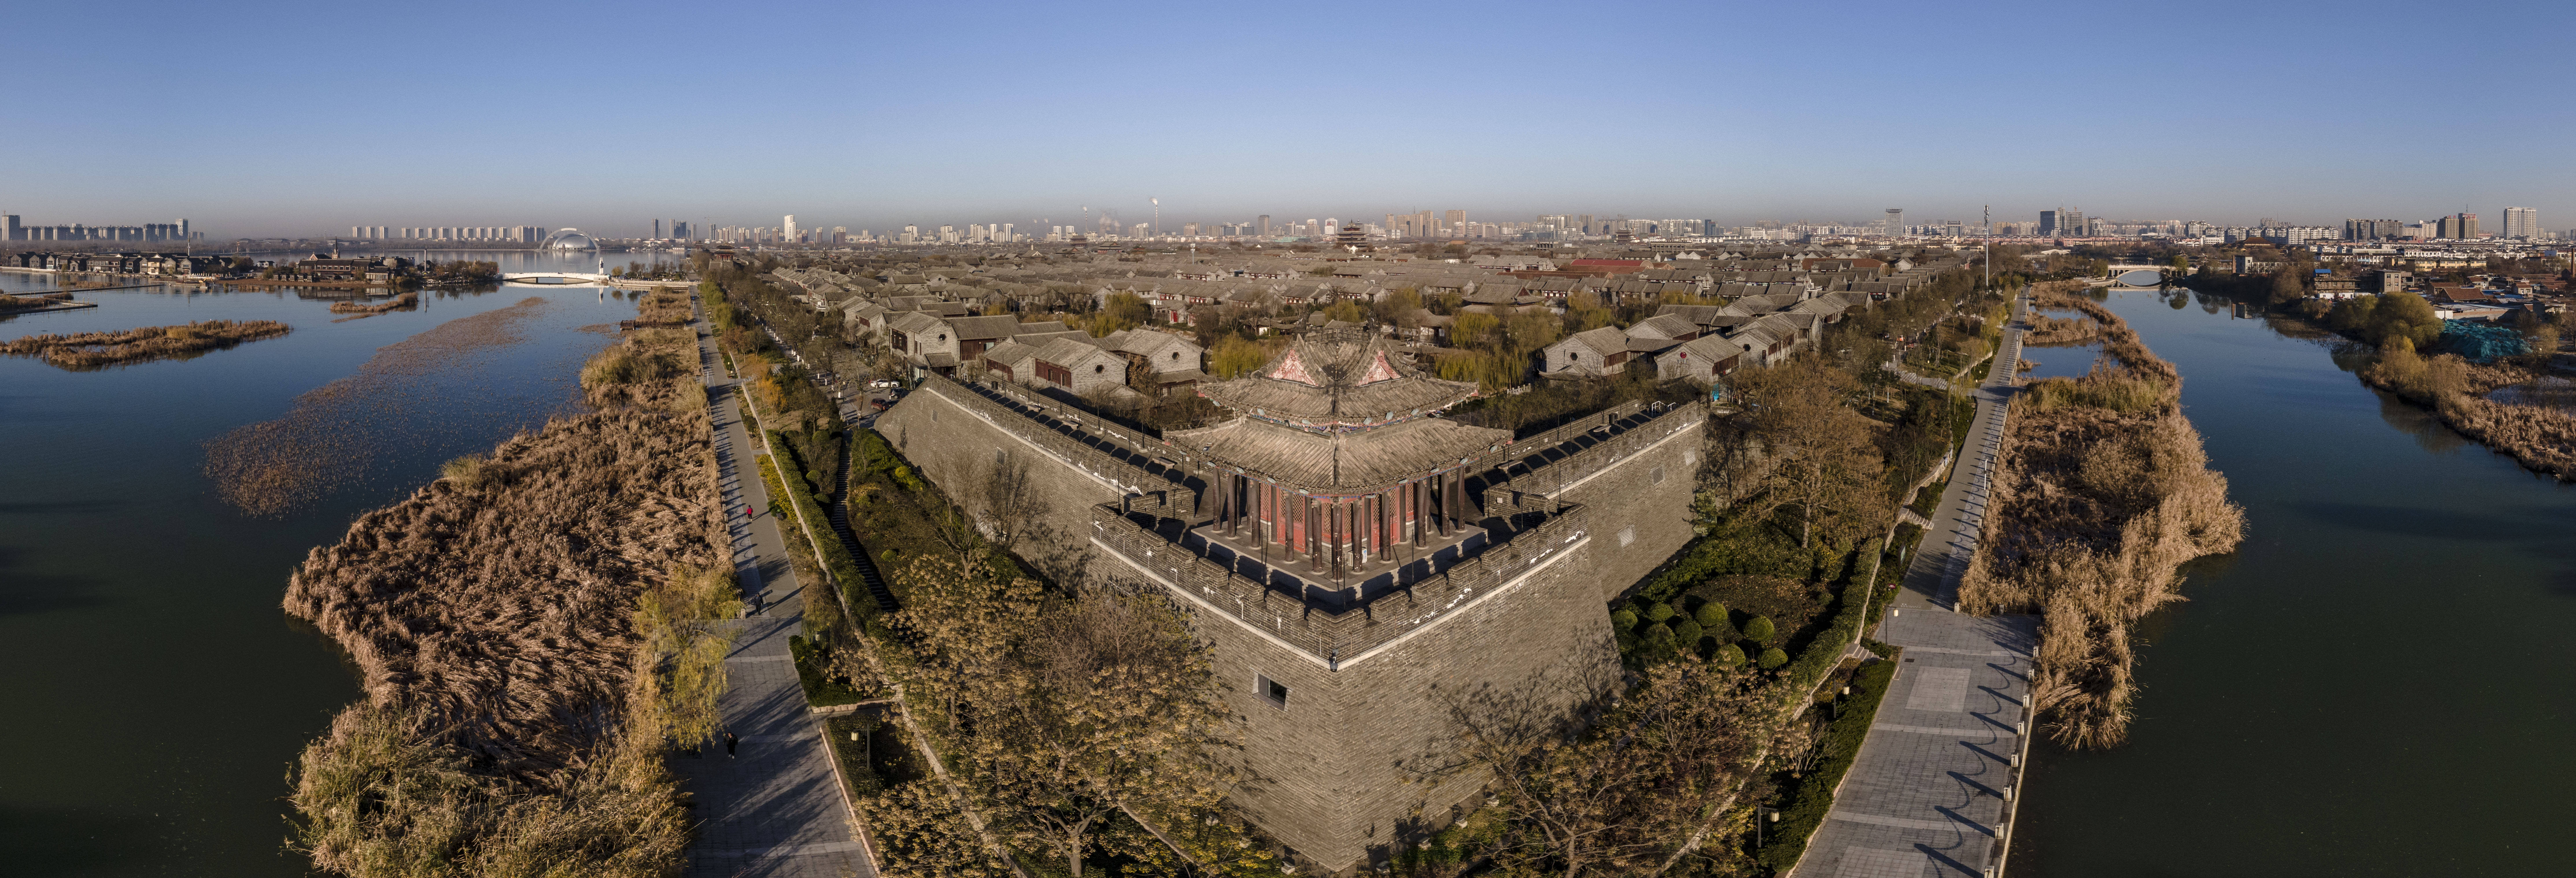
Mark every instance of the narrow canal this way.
pixel 2377 683
pixel 156 694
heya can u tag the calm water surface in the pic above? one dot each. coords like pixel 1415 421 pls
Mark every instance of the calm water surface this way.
pixel 2377 683
pixel 155 693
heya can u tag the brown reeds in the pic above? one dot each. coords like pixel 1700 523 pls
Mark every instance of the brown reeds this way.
pixel 2118 341
pixel 2046 331
pixel 532 630
pixel 2102 493
pixel 405 300
pixel 2540 437
pixel 498 608
pixel 99 350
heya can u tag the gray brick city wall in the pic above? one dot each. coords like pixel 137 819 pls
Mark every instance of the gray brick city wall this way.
pixel 1351 766
pixel 955 449
pixel 1637 485
pixel 1361 757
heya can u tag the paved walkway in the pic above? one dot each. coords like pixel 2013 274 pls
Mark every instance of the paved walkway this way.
pixel 1928 795
pixel 773 808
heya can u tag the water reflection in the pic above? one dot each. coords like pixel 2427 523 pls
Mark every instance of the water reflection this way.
pixel 2550 391
pixel 2415 422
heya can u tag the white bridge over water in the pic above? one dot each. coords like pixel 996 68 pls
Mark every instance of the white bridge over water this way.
pixel 553 277
pixel 579 278
pixel 2138 276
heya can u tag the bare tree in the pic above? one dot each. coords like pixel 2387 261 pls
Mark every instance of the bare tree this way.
pixel 1822 462
pixel 1013 505
pixel 1635 793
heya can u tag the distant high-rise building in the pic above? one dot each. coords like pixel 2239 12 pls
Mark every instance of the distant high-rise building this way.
pixel 2458 225
pixel 2521 222
pixel 2047 223
pixel 1895 221
pixel 2071 223
pixel 1584 223
pixel 13 231
pixel 789 227
pixel 2372 229
pixel 1262 226
pixel 657 228
pixel 1453 220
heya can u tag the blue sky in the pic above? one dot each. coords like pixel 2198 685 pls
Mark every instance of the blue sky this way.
pixel 284 118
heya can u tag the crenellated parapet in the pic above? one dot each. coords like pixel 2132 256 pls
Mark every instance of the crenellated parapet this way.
pixel 1335 636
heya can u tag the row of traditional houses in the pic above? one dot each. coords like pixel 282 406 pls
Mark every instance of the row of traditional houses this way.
pixel 938 336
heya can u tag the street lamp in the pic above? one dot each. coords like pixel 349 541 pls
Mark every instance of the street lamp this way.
pixel 1758 812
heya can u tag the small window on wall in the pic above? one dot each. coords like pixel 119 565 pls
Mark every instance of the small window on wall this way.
pixel 1271 691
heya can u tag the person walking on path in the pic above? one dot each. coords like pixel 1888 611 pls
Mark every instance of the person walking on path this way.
pixel 730 741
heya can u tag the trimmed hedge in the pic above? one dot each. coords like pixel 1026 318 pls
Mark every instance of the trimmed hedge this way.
pixel 1814 795
pixel 832 554
pixel 1826 650
pixel 1760 630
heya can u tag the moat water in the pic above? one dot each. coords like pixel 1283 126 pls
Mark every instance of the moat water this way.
pixel 2377 683
pixel 156 694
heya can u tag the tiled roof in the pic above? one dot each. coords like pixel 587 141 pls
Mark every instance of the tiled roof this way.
pixel 1000 326
pixel 1337 376
pixel 1356 460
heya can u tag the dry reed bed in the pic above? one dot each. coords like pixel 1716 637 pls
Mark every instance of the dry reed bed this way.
pixel 2102 493
pixel 96 350
pixel 405 300
pixel 2046 331
pixel 511 724
pixel 2542 438
pixel 496 607
pixel 2118 340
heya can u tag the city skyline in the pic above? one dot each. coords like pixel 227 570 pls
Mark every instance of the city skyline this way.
pixel 1938 110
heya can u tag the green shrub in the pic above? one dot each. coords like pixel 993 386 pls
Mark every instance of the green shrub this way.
pixel 1814 794
pixel 813 668
pixel 1729 655
pixel 1686 633
pixel 1624 620
pixel 1711 616
pixel 1658 611
pixel 1759 630
pixel 1658 635
pixel 1773 657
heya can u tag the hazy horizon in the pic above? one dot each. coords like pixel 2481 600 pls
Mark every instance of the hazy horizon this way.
pixel 276 119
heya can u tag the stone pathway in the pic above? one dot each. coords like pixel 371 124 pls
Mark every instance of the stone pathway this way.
pixel 773 807
pixel 1930 792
